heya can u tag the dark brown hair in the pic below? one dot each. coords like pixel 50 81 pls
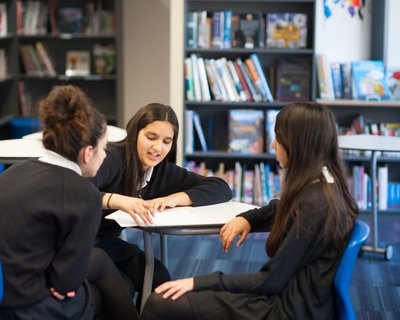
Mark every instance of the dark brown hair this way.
pixel 307 131
pixel 134 173
pixel 69 121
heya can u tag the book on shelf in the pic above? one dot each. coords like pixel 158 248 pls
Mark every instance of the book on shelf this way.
pixel 203 32
pixel 3 63
pixel 337 80
pixel 196 78
pixel 199 131
pixel 191 29
pixel 270 119
pixel 45 60
pixel 104 59
pixel 258 77
pixel 189 138
pixel 345 73
pixel 204 88
pixel 369 80
pixel 236 37
pixel 227 32
pixel 325 83
pixel 217 29
pixel 293 80
pixel 3 19
pixel 24 99
pixel 70 20
pixel 77 63
pixel 246 131
pixel 189 85
pixel 286 30
pixel 393 79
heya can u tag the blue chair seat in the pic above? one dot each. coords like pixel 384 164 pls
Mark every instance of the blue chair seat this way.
pixel 343 274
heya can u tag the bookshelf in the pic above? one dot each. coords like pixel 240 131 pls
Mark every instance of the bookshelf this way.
pixel 214 114
pixel 92 24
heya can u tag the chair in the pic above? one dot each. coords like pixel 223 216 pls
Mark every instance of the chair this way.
pixel 343 275
pixel 1 284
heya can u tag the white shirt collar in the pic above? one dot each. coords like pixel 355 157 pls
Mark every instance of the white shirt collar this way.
pixel 147 176
pixel 327 175
pixel 58 160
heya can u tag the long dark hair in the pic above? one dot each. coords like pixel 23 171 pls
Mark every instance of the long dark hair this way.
pixel 134 173
pixel 307 131
pixel 69 121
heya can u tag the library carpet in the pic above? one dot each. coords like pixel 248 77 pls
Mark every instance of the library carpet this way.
pixel 375 287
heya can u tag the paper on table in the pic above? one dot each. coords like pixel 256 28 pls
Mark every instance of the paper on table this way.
pixel 216 214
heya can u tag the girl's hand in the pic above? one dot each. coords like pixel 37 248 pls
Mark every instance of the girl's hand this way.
pixel 135 207
pixel 171 201
pixel 175 288
pixel 59 296
pixel 237 226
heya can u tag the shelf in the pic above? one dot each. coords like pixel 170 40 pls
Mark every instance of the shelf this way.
pixel 66 36
pixel 228 155
pixel 248 51
pixel 359 103
pixel 61 77
pixel 241 105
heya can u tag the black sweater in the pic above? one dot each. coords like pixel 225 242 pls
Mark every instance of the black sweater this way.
pixel 49 217
pixel 167 178
pixel 299 277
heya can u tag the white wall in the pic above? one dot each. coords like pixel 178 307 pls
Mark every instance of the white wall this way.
pixel 342 37
pixel 145 54
pixel 393 39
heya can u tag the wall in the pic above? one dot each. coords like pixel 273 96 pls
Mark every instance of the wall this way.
pixel 393 41
pixel 145 56
pixel 342 37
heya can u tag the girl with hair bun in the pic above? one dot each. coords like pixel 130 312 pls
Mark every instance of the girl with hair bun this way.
pixel 49 218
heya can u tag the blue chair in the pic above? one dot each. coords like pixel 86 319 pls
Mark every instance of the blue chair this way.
pixel 342 279
pixel 1 284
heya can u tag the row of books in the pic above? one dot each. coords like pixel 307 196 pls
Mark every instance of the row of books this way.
pixel 388 193
pixel 362 80
pixel 37 61
pixel 226 80
pixel 257 186
pixel 38 17
pixel 251 131
pixel 226 29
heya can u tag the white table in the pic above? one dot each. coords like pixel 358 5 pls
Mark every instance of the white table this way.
pixel 30 146
pixel 180 221
pixel 372 143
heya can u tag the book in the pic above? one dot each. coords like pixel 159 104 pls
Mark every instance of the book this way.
pixel 337 80
pixel 3 63
pixel 77 63
pixel 286 30
pixel 270 120
pixel 325 84
pixel 104 59
pixel 369 80
pixel 45 59
pixel 191 29
pixel 345 72
pixel 262 77
pixel 3 19
pixel 189 141
pixel 200 132
pixel 70 20
pixel 246 131
pixel 293 80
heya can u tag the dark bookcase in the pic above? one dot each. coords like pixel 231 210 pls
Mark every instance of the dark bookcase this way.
pixel 90 24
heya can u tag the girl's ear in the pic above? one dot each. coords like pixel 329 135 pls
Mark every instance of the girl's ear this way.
pixel 87 154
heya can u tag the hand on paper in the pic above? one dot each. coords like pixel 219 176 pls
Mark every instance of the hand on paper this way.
pixel 59 296
pixel 171 201
pixel 230 230
pixel 134 207
pixel 176 288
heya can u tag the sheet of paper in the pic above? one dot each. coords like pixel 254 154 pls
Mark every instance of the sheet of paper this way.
pixel 216 214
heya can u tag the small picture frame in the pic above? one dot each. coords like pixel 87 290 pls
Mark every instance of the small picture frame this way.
pixel 77 63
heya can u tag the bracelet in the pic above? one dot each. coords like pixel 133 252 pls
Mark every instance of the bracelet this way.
pixel 108 201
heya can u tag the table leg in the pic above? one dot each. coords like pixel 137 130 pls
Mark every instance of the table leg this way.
pixel 149 269
pixel 388 250
pixel 164 249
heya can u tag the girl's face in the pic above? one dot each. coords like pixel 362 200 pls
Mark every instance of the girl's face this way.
pixel 280 153
pixel 154 143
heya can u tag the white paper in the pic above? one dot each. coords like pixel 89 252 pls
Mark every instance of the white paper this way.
pixel 217 214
